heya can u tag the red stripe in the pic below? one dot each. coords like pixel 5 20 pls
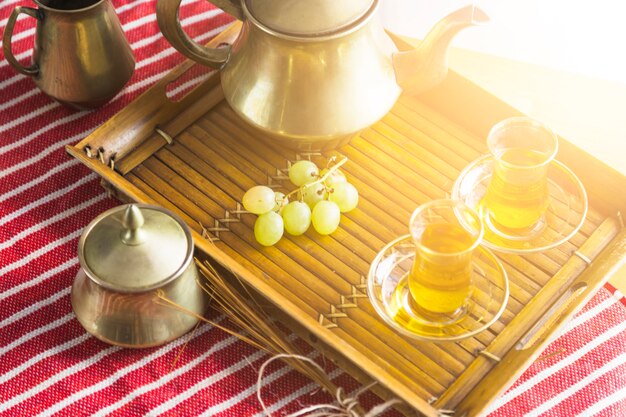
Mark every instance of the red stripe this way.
pixel 590 394
pixel 617 409
pixel 564 378
pixel 145 375
pixel 34 269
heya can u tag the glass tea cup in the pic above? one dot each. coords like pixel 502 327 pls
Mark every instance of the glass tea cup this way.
pixel 445 233
pixel 517 196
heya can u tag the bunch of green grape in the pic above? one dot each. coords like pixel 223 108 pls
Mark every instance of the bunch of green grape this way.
pixel 320 199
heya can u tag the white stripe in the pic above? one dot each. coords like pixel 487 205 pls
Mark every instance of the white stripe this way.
pixel 32 115
pixel 34 307
pixel 43 355
pixel 41 251
pixel 45 199
pixel 169 51
pixel 605 402
pixel 174 401
pixel 20 57
pixel 589 314
pixel 12 80
pixel 9 403
pixel 568 360
pixel 189 84
pixel 193 390
pixel 286 400
pixel 131 5
pixel 13 101
pixel 134 24
pixel 7 3
pixel 304 390
pixel 41 178
pixel 225 405
pixel 563 395
pixel 105 383
pixel 19 36
pixel 38 157
pixel 152 385
pixel 59 216
pixel 58 122
pixel 34 333
pixel 40 279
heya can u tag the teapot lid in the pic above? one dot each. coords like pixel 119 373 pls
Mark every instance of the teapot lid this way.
pixel 308 18
pixel 135 248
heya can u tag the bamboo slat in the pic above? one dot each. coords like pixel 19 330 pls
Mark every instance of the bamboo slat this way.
pixel 317 284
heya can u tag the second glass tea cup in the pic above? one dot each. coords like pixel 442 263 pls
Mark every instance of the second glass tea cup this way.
pixel 517 196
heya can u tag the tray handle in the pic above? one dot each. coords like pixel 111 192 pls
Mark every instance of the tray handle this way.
pixel 554 315
pixel 611 261
pixel 138 122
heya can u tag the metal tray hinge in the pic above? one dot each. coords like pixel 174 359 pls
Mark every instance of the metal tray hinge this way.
pixel 100 155
pixel 489 355
pixel 582 256
pixel 164 135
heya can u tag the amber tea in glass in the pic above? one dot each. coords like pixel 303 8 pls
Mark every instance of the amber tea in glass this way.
pixel 518 195
pixel 445 234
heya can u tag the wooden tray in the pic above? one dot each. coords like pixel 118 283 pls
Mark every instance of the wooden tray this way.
pixel 197 158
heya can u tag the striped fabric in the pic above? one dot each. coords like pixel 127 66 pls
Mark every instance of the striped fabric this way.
pixel 49 365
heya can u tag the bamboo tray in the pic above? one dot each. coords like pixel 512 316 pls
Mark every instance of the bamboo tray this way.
pixel 195 157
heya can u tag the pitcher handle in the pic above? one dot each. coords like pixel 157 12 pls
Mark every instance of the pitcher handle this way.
pixel 169 23
pixel 8 34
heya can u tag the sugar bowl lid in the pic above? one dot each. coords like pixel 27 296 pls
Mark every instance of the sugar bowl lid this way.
pixel 135 248
pixel 308 18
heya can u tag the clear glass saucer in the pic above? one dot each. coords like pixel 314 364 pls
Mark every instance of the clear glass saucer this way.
pixel 565 215
pixel 388 293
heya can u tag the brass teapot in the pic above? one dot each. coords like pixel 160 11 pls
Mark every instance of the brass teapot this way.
pixel 312 73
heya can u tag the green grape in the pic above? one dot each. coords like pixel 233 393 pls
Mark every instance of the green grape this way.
pixel 268 228
pixel 259 199
pixel 314 193
pixel 345 195
pixel 303 172
pixel 280 200
pixel 335 177
pixel 325 217
pixel 297 217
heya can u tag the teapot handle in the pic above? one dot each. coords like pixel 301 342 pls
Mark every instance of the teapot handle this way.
pixel 167 18
pixel 8 34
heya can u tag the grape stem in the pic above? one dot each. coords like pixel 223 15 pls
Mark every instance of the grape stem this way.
pixel 320 179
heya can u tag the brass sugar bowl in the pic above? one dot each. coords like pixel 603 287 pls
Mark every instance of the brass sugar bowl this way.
pixel 129 256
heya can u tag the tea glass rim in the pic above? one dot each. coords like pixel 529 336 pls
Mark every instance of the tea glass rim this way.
pixel 523 121
pixel 44 6
pixel 455 205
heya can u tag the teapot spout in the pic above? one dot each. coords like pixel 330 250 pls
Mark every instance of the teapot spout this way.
pixel 424 67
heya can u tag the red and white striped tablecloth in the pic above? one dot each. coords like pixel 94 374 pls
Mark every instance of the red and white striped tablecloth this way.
pixel 49 365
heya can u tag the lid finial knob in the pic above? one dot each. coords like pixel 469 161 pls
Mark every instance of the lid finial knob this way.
pixel 132 221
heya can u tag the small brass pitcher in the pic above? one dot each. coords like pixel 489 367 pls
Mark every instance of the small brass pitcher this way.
pixel 81 57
